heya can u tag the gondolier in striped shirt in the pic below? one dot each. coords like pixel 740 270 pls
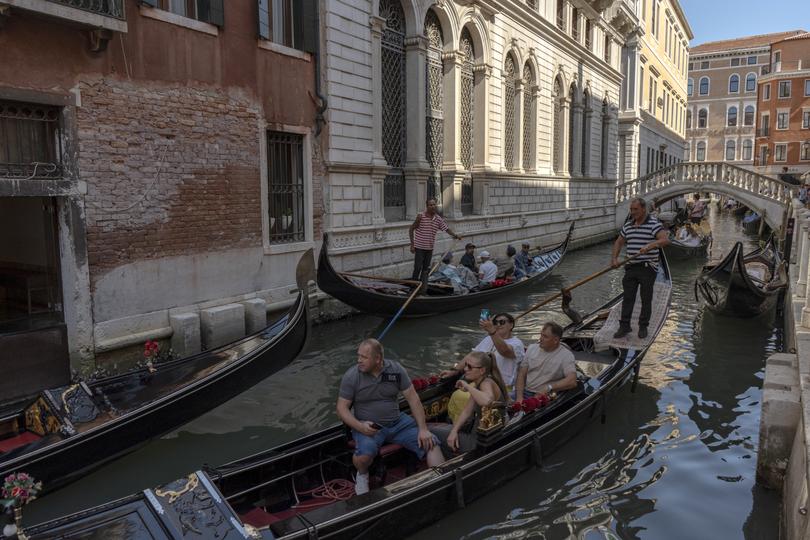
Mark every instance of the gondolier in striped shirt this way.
pixel 423 235
pixel 644 236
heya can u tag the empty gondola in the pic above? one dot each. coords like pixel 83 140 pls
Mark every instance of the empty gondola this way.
pixel 65 432
pixel 348 290
pixel 743 285
pixel 303 489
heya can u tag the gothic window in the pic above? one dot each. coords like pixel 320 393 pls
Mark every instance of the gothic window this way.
pixel 529 116
pixel 509 72
pixel 586 134
pixel 434 143
pixel 572 127
pixel 558 134
pixel 605 134
pixel 393 107
pixel 467 109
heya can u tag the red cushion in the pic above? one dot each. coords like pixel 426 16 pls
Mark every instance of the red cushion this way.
pixel 26 437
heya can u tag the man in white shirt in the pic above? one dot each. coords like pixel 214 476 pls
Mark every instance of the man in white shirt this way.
pixel 549 366
pixel 488 269
pixel 508 350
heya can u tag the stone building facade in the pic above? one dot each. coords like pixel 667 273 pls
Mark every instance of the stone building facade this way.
pixel 652 121
pixel 722 90
pixel 506 112
pixel 154 165
pixel 783 101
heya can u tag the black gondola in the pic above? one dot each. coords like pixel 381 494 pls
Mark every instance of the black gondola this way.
pixel 378 303
pixel 743 285
pixel 677 250
pixel 285 492
pixel 65 432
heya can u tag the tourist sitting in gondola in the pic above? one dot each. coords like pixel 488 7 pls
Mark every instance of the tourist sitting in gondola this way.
pixel 508 349
pixel 368 404
pixel 460 277
pixel 688 236
pixel 523 262
pixel 549 366
pixel 488 271
pixel 506 266
pixel 480 386
pixel 468 259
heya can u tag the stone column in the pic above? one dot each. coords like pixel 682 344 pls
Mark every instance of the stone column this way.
pixel 451 193
pixel 452 168
pixel 483 72
pixel 575 144
pixel 588 139
pixel 416 167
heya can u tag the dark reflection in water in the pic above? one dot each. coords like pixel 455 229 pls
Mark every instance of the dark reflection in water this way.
pixel 674 460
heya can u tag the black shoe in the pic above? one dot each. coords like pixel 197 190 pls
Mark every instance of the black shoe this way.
pixel 642 332
pixel 621 332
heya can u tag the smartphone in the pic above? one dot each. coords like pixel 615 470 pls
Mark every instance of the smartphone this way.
pixel 484 314
pixel 375 425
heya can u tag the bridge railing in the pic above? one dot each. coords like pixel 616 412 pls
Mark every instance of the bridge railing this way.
pixel 702 174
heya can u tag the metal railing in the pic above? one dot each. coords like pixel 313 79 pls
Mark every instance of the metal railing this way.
pixel 107 8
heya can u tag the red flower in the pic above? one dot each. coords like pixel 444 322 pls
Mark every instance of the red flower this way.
pixel 434 379
pixel 515 407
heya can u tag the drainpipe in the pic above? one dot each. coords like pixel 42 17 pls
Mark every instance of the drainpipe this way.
pixel 319 118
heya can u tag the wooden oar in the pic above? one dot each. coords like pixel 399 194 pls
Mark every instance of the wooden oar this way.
pixel 411 297
pixel 582 281
pixel 398 281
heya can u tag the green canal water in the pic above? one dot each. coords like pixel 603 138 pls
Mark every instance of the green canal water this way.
pixel 674 460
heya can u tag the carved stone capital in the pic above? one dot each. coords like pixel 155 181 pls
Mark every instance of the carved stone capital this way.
pixel 377 24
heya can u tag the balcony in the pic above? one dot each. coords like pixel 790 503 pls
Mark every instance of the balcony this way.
pixel 100 17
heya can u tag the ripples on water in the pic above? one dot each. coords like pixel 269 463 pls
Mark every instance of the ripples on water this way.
pixel 674 460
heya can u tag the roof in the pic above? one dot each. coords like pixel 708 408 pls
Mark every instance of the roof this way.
pixel 806 35
pixel 760 40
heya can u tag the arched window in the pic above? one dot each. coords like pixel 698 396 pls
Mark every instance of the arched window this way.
pixel 557 134
pixel 688 119
pixel 703 86
pixel 572 126
pixel 467 110
pixel 586 134
pixel 751 82
pixel 703 118
pixel 748 150
pixel 734 84
pixel 434 104
pixel 701 151
pixel 690 87
pixel 731 150
pixel 603 158
pixel 748 115
pixel 509 74
pixel 393 107
pixel 529 116
pixel 731 117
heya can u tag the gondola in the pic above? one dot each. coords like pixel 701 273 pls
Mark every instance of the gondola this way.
pixel 63 433
pixel 380 303
pixel 302 489
pixel 740 210
pixel 751 222
pixel 683 250
pixel 743 285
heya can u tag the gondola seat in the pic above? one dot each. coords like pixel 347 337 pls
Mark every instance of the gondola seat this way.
pixel 26 437
pixel 379 467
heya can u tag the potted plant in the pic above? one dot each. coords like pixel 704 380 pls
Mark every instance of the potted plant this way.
pixel 18 490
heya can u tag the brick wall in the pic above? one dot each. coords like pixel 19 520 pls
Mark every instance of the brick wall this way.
pixel 170 170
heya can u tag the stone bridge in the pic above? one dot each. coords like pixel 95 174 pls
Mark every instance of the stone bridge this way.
pixel 770 198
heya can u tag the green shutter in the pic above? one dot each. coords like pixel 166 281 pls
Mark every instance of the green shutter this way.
pixel 152 3
pixel 264 19
pixel 216 14
pixel 305 19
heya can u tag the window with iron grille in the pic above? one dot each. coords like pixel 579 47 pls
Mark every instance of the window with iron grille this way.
pixel 603 158
pixel 558 127
pixel 509 113
pixel 466 100
pixel 528 118
pixel 210 11
pixel 30 141
pixel 286 193
pixel 586 134
pixel 393 108
pixel 434 90
pixel 572 127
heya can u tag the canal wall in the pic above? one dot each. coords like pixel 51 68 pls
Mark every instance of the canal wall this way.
pixel 784 447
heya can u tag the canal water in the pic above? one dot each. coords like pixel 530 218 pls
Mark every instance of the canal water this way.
pixel 676 459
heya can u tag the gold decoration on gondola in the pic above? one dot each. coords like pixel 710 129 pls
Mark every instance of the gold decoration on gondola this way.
pixel 437 408
pixel 191 484
pixel 40 419
pixel 491 418
pixel 64 396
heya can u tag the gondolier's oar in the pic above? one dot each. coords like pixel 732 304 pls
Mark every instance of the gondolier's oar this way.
pixel 582 281
pixel 411 297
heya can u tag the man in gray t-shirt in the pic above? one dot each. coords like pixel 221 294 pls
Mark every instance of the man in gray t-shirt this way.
pixel 549 366
pixel 368 402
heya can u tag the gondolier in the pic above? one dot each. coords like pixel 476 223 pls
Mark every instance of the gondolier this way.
pixel 423 235
pixel 698 210
pixel 644 236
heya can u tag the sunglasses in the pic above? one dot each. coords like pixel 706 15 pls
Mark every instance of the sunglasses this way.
pixel 501 322
pixel 468 366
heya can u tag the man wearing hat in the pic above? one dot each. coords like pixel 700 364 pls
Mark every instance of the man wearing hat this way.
pixel 468 259
pixel 488 270
pixel 523 261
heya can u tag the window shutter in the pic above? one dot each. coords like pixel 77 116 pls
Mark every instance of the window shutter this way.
pixel 152 3
pixel 216 15
pixel 264 19
pixel 305 24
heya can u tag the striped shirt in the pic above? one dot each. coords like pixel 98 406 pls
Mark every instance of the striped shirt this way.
pixel 638 236
pixel 425 234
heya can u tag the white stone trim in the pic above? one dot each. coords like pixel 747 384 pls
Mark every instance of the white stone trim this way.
pixel 62 11
pixel 283 49
pixel 178 20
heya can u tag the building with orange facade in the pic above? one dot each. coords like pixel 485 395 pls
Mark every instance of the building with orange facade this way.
pixel 783 101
